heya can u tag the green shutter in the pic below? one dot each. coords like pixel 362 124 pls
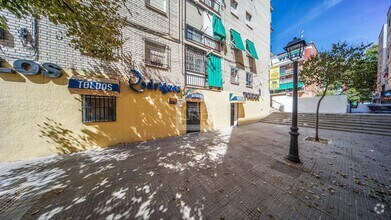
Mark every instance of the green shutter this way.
pixel 218 28
pixel 251 49
pixel 237 39
pixel 214 71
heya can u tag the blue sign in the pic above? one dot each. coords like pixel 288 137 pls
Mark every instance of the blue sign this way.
pixel 140 85
pixel 236 98
pixel 92 85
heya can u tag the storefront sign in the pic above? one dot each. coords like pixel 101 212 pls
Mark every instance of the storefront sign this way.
pixel 236 98
pixel 93 85
pixel 140 85
pixel 193 95
pixel 274 78
pixel 251 96
pixel 29 67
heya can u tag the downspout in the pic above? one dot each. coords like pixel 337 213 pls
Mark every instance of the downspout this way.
pixel 35 34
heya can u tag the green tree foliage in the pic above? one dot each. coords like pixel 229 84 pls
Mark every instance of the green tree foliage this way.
pixel 361 78
pixel 328 67
pixel 94 26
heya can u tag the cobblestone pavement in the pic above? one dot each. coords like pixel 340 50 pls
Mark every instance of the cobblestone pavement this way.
pixel 238 173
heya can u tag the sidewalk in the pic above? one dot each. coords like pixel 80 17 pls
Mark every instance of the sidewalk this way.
pixel 238 173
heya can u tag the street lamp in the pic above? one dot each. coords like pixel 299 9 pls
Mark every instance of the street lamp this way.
pixel 295 50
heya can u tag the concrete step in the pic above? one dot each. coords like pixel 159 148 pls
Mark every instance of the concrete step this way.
pixel 341 129
pixel 337 122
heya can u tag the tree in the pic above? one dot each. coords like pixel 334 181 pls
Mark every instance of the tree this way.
pixel 326 68
pixel 361 78
pixel 94 26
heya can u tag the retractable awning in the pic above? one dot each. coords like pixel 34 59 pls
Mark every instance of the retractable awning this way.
pixel 237 40
pixel 218 29
pixel 251 49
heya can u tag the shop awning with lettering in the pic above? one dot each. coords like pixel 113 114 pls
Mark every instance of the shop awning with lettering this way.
pixel 236 98
pixel 90 86
pixel 237 40
pixel 251 49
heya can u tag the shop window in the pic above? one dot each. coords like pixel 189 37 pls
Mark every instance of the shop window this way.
pixel 234 7
pixel 98 108
pixel 157 4
pixel 249 79
pixel 156 54
pixel 234 75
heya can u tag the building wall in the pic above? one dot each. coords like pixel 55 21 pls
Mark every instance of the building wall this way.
pixel 330 104
pixel 382 69
pixel 40 116
pixel 388 51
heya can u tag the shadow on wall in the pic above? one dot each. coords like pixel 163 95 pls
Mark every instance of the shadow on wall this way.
pixel 140 116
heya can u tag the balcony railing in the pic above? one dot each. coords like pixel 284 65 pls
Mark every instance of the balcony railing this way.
pixel 212 5
pixel 199 37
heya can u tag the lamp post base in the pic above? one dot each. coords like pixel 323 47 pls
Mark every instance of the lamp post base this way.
pixel 294 145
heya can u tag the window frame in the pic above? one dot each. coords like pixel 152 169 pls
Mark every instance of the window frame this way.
pixel 156 9
pixel 248 22
pixel 252 68
pixel 234 11
pixel 150 62
pixel 93 114
pixel 234 80
pixel 251 84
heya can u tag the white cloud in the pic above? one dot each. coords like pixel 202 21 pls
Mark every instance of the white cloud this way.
pixel 313 13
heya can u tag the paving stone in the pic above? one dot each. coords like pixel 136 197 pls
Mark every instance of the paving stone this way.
pixel 209 175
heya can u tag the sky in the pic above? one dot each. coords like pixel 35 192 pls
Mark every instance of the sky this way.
pixel 327 21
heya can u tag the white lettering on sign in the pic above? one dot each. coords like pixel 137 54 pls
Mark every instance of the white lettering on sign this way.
pixel 95 85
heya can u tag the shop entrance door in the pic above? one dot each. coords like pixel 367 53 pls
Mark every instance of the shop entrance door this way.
pixel 193 117
pixel 234 114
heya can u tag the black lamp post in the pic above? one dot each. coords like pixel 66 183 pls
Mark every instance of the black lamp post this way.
pixel 295 50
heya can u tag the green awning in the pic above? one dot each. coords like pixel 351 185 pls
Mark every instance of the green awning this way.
pixel 237 40
pixel 251 49
pixel 214 71
pixel 218 28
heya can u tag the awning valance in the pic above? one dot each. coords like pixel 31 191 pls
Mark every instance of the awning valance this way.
pixel 251 49
pixel 218 29
pixel 236 98
pixel 87 86
pixel 237 39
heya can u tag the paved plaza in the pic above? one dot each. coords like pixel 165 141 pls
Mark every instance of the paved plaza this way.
pixel 236 173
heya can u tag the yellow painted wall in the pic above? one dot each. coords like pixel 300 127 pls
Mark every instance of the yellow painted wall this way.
pixel 40 117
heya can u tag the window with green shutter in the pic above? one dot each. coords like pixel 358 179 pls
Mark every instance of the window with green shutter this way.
pixel 214 71
pixel 237 39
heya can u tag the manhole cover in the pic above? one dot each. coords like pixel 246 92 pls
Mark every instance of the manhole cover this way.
pixel 285 169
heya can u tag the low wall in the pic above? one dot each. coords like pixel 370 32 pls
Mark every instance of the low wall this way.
pixel 330 104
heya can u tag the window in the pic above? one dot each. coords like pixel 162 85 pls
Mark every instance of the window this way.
pixel 249 79
pixel 251 63
pixel 248 19
pixel 157 4
pixel 195 60
pixel 234 75
pixel 156 54
pixel 234 7
pixel 98 108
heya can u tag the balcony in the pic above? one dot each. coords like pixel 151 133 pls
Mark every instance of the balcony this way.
pixel 211 4
pixel 197 36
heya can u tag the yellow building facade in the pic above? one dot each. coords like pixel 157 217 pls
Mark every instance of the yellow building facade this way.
pixel 53 100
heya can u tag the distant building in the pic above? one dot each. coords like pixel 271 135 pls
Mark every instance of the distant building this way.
pixel 281 74
pixel 383 65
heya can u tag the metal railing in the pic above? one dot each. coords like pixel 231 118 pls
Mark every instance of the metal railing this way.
pixel 212 5
pixel 198 36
